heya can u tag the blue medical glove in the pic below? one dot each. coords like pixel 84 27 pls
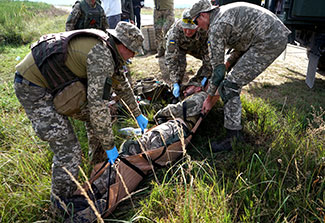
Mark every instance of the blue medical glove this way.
pixel 176 90
pixel 142 122
pixel 203 81
pixel 112 154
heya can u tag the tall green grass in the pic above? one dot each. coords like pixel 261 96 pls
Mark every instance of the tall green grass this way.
pixel 22 21
pixel 276 176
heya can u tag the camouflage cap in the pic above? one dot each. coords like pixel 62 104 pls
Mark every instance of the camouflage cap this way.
pixel 129 35
pixel 201 6
pixel 187 22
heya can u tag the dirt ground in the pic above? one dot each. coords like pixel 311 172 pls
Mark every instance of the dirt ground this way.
pixel 293 60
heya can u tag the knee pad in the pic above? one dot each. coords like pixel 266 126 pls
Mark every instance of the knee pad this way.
pixel 226 96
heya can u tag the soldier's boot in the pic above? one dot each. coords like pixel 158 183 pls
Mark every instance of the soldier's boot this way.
pixel 87 215
pixel 226 145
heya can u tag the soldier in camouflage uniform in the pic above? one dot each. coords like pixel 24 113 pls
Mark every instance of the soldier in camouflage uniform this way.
pixel 86 14
pixel 95 58
pixel 258 38
pixel 163 18
pixel 185 38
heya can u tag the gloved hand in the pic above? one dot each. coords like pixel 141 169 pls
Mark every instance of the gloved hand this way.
pixel 112 154
pixel 142 122
pixel 176 90
pixel 218 74
pixel 203 81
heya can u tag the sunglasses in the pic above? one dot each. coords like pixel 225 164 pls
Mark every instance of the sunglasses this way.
pixel 195 19
pixel 188 21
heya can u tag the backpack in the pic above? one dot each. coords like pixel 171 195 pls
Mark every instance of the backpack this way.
pixel 152 90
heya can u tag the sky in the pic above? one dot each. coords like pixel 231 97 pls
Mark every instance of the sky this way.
pixel 147 3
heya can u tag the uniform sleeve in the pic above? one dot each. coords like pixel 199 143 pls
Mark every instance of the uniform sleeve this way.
pixel 218 36
pixel 123 89
pixel 206 64
pixel 100 65
pixel 172 56
pixel 233 58
pixel 73 17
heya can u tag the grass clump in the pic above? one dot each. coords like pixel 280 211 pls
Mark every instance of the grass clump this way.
pixel 21 21
pixel 190 192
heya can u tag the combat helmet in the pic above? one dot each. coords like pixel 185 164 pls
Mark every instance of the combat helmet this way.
pixel 187 22
pixel 201 6
pixel 129 35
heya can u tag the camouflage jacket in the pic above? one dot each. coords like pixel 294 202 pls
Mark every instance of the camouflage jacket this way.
pixel 239 26
pixel 100 65
pixel 178 45
pixel 84 16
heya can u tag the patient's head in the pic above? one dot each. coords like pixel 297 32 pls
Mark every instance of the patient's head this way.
pixel 130 147
pixel 191 89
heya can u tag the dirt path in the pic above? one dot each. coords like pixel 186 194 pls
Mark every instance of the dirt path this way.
pixel 64 8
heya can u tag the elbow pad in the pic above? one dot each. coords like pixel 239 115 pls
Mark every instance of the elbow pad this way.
pixel 218 74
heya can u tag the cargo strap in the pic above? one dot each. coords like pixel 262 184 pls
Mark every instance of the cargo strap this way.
pixel 154 161
pixel 133 167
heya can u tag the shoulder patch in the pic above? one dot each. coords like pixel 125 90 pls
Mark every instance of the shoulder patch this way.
pixel 172 41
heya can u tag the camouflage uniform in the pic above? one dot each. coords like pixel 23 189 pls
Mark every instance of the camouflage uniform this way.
pixel 56 128
pixel 77 20
pixel 178 45
pixel 245 28
pixel 164 17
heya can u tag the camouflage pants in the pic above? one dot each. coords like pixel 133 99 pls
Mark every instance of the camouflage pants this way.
pixel 163 19
pixel 57 130
pixel 252 63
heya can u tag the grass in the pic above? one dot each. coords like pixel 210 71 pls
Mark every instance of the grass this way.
pixel 21 22
pixel 277 175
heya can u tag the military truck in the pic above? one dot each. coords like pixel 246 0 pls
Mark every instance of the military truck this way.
pixel 306 20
